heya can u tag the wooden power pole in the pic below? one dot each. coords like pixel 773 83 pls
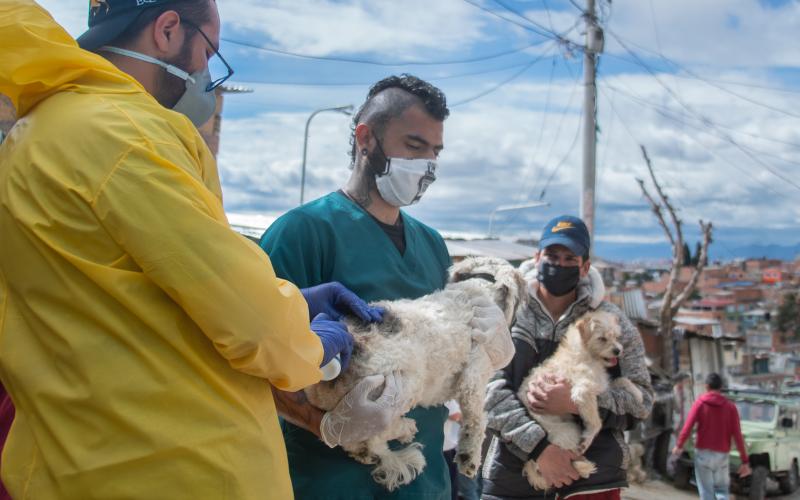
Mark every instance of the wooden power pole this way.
pixel 594 46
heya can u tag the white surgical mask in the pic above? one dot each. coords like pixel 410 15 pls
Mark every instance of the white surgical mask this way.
pixel 405 181
pixel 197 103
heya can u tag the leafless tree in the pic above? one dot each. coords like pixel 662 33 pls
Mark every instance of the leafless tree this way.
pixel 675 295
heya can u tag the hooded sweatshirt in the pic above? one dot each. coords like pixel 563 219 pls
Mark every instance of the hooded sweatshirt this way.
pixel 140 336
pixel 717 422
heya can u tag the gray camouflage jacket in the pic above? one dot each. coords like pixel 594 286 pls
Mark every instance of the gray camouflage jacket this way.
pixel 516 437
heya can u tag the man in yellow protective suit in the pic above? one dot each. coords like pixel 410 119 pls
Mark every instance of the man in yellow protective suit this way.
pixel 140 336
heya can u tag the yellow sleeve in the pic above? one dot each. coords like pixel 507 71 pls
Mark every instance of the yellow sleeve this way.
pixel 175 229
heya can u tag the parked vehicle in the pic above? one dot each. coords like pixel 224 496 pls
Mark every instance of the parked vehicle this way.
pixel 771 430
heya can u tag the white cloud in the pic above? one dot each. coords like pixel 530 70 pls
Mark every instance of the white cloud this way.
pixel 712 32
pixel 393 29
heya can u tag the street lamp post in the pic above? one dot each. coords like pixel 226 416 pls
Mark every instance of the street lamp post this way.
pixel 346 110
pixel 508 208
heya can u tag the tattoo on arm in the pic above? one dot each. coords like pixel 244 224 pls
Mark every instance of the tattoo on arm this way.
pixel 295 408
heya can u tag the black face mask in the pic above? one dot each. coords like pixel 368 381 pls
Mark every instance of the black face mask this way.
pixel 558 280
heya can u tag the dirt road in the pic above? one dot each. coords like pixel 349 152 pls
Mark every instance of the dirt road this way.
pixel 659 490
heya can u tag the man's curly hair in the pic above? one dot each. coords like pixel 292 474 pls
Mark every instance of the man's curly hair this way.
pixel 390 98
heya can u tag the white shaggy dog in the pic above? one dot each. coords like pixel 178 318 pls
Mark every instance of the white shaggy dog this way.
pixel 429 341
pixel 590 345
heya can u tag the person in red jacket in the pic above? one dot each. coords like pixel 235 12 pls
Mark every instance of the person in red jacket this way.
pixel 717 422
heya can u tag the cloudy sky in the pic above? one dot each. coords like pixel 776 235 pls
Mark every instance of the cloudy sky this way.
pixel 711 88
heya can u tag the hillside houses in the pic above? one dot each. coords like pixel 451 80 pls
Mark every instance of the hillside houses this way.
pixel 728 325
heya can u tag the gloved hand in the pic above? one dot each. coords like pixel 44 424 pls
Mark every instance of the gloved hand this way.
pixel 490 328
pixel 359 417
pixel 335 339
pixel 335 300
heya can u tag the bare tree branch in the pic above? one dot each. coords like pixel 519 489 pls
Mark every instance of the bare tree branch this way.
pixel 672 299
pixel 698 270
pixel 656 208
pixel 672 212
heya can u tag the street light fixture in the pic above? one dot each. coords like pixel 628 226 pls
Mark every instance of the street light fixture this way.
pixel 508 208
pixel 345 110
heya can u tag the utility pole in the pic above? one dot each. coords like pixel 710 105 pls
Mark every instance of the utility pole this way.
pixel 594 46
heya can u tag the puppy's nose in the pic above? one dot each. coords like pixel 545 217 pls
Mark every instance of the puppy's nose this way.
pixel 616 351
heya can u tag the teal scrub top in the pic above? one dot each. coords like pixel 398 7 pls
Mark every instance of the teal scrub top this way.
pixel 334 239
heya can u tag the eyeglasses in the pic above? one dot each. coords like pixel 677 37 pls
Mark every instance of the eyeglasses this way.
pixel 229 71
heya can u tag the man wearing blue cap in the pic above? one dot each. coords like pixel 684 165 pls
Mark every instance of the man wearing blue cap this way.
pixel 562 287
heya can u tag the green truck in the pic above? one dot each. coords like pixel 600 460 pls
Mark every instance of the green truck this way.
pixel 771 430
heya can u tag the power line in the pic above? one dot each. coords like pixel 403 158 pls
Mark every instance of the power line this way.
pixel 501 84
pixel 381 63
pixel 575 4
pixel 655 26
pixel 519 14
pixel 694 139
pixel 541 32
pixel 570 150
pixel 724 136
pixel 708 121
pixel 720 135
pixel 535 150
pixel 641 63
pixel 361 84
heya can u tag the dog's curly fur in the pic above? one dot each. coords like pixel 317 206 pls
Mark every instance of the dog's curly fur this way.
pixel 590 345
pixel 429 341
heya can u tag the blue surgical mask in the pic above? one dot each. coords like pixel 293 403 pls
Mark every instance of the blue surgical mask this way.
pixel 197 103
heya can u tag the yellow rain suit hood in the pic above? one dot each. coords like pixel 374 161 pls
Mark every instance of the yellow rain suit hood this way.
pixel 139 335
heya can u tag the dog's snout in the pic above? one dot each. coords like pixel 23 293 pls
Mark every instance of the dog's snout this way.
pixel 616 351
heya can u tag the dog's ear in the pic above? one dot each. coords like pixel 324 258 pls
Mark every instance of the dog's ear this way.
pixel 460 270
pixel 584 326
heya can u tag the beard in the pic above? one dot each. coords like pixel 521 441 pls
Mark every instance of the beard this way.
pixel 170 88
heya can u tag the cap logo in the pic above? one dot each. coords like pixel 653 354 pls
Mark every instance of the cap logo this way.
pixel 562 226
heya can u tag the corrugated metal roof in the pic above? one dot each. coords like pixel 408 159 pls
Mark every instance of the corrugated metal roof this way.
pixel 633 304
pixel 490 248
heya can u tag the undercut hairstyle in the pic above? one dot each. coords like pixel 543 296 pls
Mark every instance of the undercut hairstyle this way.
pixel 390 98
pixel 192 12
pixel 714 381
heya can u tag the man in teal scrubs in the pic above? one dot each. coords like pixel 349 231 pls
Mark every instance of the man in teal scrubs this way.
pixel 359 236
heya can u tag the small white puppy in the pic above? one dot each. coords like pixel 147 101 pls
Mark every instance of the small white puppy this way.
pixel 590 345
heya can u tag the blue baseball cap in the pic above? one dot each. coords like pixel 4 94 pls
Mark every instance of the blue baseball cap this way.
pixel 108 19
pixel 568 231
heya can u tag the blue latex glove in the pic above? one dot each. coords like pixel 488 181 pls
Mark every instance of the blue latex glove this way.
pixel 335 300
pixel 335 339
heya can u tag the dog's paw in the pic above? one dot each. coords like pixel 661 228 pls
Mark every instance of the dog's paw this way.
pixel 397 468
pixel 467 464
pixel 584 467
pixel 535 478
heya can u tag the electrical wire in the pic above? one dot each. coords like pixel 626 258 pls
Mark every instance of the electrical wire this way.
pixel 361 84
pixel 638 61
pixel 569 152
pixel 380 63
pixel 699 129
pixel 535 150
pixel 544 33
pixel 724 136
pixel 502 83
pixel 519 14
pixel 637 142
pixel 575 4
